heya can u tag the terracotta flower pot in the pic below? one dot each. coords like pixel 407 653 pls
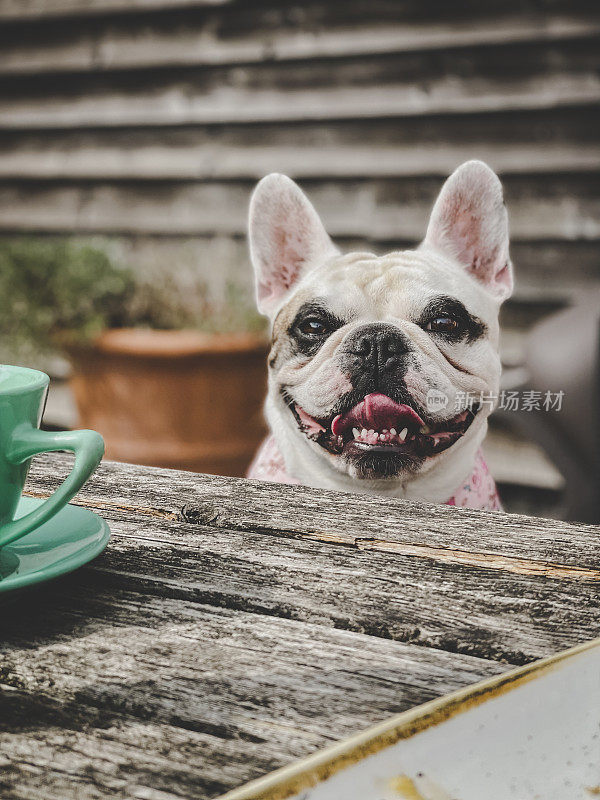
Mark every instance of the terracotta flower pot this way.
pixel 181 399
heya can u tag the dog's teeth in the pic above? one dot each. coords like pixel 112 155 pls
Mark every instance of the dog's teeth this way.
pixel 371 432
pixel 385 430
pixel 403 434
pixel 425 429
pixel 364 433
pixel 355 433
pixel 393 431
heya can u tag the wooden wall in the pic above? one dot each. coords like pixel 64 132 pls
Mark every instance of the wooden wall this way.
pixel 148 121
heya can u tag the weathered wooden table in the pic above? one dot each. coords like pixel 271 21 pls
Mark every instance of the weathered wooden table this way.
pixel 233 626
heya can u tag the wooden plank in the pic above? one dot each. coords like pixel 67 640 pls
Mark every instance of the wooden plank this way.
pixel 203 161
pixel 326 582
pixel 509 141
pixel 314 12
pixel 377 210
pixel 542 271
pixel 225 102
pixel 571 127
pixel 203 42
pixel 128 692
pixel 301 512
pixel 41 9
pixel 232 626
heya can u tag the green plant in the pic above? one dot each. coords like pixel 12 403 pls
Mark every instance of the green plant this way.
pixel 51 289
pixel 162 300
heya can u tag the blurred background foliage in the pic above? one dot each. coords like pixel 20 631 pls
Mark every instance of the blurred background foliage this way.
pixel 48 288
pixel 56 288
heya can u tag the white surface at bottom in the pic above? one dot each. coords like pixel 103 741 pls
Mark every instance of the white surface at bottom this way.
pixel 538 741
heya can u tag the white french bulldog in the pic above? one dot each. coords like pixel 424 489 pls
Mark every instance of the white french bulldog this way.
pixel 383 369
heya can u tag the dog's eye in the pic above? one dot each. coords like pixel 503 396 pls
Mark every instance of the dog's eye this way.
pixel 443 323
pixel 313 326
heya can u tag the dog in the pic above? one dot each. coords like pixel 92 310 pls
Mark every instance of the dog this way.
pixel 383 370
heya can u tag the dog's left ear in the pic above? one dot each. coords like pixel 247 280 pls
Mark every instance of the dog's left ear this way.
pixel 286 238
pixel 469 222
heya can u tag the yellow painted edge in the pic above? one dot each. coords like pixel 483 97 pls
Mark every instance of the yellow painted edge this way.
pixel 308 772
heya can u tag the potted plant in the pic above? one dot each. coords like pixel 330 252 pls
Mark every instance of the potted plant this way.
pixel 169 378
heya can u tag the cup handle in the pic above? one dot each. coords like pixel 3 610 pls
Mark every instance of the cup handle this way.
pixel 28 441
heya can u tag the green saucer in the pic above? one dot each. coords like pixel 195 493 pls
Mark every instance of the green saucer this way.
pixel 66 542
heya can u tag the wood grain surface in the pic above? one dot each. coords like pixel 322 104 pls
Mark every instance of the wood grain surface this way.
pixel 232 626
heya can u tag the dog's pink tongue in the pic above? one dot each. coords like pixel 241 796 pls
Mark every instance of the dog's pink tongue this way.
pixel 377 412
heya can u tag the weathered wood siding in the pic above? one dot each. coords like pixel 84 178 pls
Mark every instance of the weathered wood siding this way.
pixel 149 121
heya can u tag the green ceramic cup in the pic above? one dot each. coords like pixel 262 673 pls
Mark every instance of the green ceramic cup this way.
pixel 22 399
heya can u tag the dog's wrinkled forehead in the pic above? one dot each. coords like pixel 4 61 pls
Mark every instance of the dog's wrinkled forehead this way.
pixel 465 249
pixel 397 286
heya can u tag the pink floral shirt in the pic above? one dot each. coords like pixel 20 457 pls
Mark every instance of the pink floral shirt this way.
pixel 478 491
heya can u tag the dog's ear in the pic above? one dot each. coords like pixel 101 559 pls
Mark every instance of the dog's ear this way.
pixel 469 222
pixel 286 238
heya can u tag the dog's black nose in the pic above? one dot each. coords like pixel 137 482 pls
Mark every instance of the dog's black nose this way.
pixel 379 344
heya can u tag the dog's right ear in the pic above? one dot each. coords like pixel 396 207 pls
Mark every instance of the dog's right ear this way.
pixel 469 222
pixel 286 238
